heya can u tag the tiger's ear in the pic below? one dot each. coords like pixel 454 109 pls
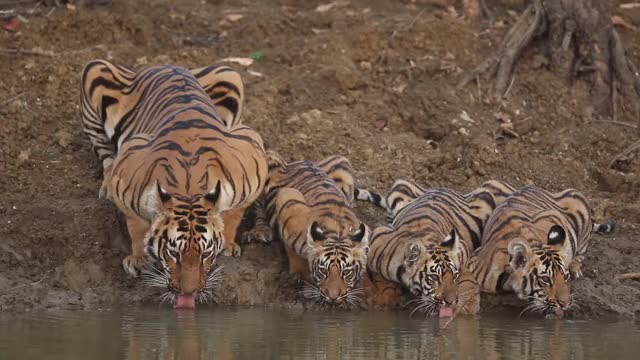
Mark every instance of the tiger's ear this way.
pixel 412 253
pixel 154 200
pixel 225 88
pixel 102 86
pixel 451 240
pixel 316 232
pixel 519 254
pixel 556 235
pixel 163 195
pixel 361 235
pixel 213 195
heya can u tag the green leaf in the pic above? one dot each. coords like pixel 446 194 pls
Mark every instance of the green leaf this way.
pixel 257 56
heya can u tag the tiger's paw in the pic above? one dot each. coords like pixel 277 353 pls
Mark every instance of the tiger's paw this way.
pixel 233 250
pixel 104 191
pixel 259 234
pixel 133 265
pixel 575 268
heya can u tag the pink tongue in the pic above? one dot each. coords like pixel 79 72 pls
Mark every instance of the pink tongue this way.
pixel 446 312
pixel 186 302
pixel 559 312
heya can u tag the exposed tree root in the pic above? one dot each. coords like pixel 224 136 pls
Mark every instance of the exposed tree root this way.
pixel 579 38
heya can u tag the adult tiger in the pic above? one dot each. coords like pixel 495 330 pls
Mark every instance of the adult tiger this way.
pixel 310 206
pixel 533 244
pixel 430 235
pixel 177 162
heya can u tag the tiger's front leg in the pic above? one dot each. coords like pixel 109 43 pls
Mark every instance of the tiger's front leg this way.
pixel 107 165
pixel 261 231
pixel 134 263
pixel 232 220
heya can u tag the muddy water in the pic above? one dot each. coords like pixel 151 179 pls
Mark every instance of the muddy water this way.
pixel 151 333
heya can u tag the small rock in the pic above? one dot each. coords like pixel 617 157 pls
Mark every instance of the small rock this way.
pixel 63 138
pixel 24 155
pixel 380 124
pixel 365 65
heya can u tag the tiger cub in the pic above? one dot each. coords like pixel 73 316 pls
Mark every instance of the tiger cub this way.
pixel 309 206
pixel 534 244
pixel 430 235
pixel 178 163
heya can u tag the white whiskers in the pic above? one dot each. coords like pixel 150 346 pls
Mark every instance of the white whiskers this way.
pixel 154 277
pixel 353 297
pixel 214 280
pixel 428 306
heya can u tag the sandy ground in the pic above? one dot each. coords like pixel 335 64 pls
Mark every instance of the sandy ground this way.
pixel 371 80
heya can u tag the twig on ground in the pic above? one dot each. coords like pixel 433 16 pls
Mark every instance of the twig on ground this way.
pixel 5 292
pixel 633 276
pixel 513 79
pixel 13 98
pixel 621 123
pixel 625 153
pixel 409 26
pixel 39 52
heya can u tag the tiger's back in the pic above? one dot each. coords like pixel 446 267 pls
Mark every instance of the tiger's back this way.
pixel 530 214
pixel 176 160
pixel 430 219
pixel 430 236
pixel 310 207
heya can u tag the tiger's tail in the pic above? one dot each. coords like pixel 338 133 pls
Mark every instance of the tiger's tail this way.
pixel 606 228
pixel 372 197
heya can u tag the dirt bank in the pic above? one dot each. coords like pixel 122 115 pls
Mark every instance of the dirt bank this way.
pixel 371 80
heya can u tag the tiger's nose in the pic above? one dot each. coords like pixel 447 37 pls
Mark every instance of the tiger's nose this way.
pixel 450 301
pixel 333 294
pixel 562 305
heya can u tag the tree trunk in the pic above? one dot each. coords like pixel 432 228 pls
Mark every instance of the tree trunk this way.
pixel 581 42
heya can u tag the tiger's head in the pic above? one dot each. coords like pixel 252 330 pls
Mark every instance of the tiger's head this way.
pixel 183 243
pixel 431 272
pixel 337 257
pixel 539 274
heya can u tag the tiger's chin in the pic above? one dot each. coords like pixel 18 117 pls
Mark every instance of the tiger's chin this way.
pixel 153 276
pixel 353 298
pixel 554 312
pixel 547 311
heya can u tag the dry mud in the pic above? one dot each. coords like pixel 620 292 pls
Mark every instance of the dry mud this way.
pixel 371 80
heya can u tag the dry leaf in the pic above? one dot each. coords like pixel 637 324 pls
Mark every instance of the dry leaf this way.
pixel 234 17
pixel 619 21
pixel 399 89
pixel 254 73
pixel 630 6
pixel 12 25
pixel 238 60
pixel 329 6
pixel 502 117
pixel 465 116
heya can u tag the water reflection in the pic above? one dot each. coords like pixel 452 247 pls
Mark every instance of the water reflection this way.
pixel 264 334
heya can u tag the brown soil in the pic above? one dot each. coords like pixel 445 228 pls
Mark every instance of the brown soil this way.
pixel 372 80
